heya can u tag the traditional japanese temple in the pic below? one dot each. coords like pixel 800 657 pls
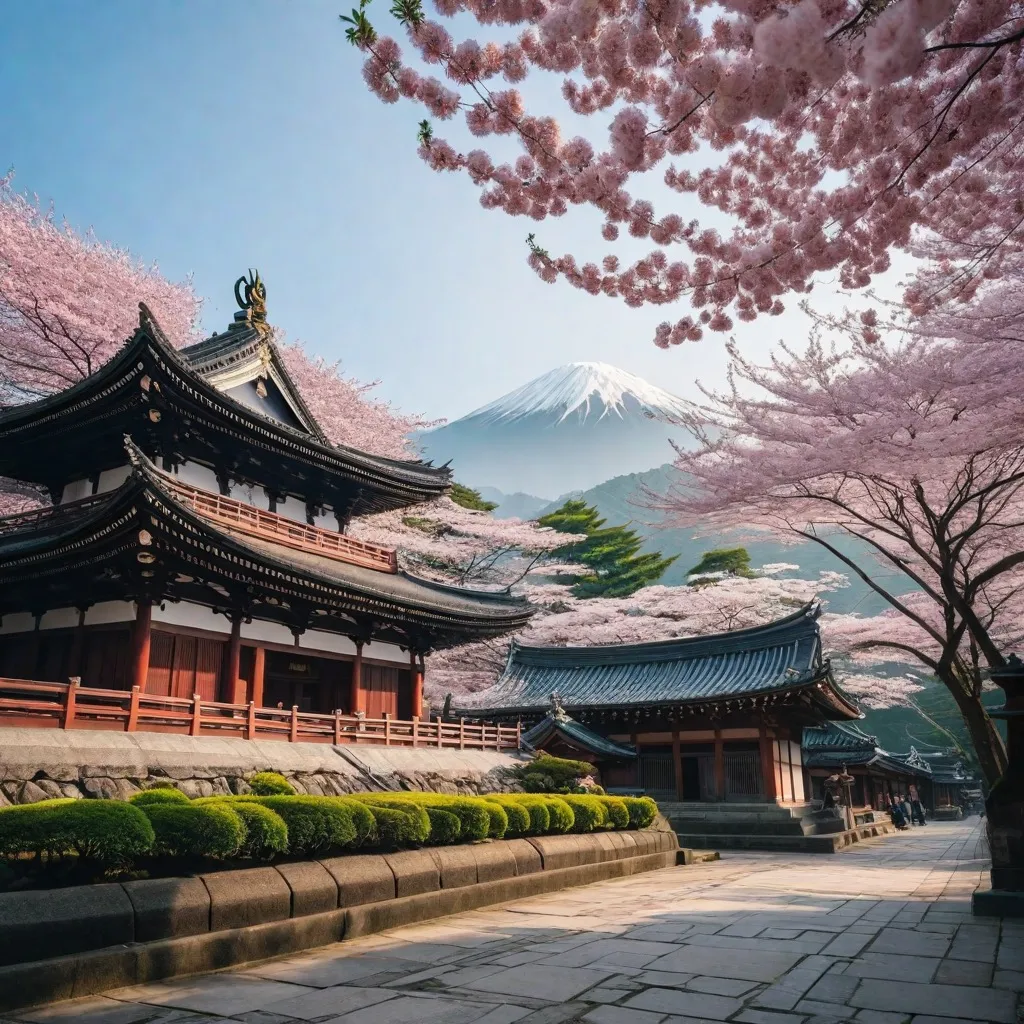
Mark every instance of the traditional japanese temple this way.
pixel 714 718
pixel 197 543
pixel 879 775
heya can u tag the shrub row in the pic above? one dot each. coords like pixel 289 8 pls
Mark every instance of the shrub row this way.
pixel 163 822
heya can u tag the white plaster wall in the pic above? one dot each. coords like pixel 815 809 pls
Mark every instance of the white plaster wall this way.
pixel 59 618
pixel 111 479
pixel 110 611
pixel 292 508
pixel 196 616
pixel 18 622
pixel 318 640
pixel 76 490
pixel 194 475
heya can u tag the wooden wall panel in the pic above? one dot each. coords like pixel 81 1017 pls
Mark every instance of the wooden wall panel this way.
pixel 183 670
pixel 17 656
pixel 209 659
pixel 381 685
pixel 161 657
pixel 106 657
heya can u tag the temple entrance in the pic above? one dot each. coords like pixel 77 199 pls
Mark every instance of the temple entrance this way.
pixel 316 685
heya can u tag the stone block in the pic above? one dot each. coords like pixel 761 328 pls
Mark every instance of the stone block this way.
pixel 314 890
pixel 51 922
pixel 557 851
pixel 997 903
pixel 456 865
pixel 247 897
pixel 169 907
pixel 494 861
pixel 526 855
pixel 364 878
pixel 415 872
pixel 607 847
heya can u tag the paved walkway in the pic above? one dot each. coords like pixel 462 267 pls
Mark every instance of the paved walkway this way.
pixel 881 934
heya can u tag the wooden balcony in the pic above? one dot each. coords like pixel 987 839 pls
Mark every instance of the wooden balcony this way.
pixel 269 526
pixel 25 702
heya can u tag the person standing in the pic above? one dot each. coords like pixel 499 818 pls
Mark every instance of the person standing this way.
pixel 918 808
pixel 907 812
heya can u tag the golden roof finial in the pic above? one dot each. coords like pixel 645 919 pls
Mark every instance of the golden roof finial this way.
pixel 251 296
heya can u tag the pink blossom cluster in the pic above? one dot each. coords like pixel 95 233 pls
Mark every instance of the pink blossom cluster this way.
pixel 829 131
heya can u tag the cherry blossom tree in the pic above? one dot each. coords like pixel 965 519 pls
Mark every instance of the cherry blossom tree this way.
pixel 896 441
pixel 68 301
pixel 825 133
pixel 653 613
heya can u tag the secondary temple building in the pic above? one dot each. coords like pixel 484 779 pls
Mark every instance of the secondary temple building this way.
pixel 197 542
pixel 714 718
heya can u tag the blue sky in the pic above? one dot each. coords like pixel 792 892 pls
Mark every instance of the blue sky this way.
pixel 215 135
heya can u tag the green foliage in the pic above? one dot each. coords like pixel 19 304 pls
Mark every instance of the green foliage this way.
pixel 444 826
pixel 315 824
pixel 475 821
pixel 362 819
pixel 547 774
pixel 271 784
pixel 618 812
pixel 468 498
pixel 589 812
pixel 360 32
pixel 393 827
pixel 518 817
pixel 417 830
pixel 195 830
pixel 734 561
pixel 266 834
pixel 642 810
pixel 498 824
pixel 159 795
pixel 610 553
pixel 538 816
pixel 559 815
pixel 408 12
pixel 107 831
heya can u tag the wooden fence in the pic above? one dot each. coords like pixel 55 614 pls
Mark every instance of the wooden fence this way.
pixel 26 702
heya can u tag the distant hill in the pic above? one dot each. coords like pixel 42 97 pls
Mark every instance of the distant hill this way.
pixel 514 506
pixel 620 500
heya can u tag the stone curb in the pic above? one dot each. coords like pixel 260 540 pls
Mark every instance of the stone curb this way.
pixel 166 927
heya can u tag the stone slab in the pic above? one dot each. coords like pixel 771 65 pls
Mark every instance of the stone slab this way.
pixel 493 861
pixel 363 878
pixel 997 903
pixel 246 897
pixel 314 890
pixel 456 866
pixel 169 907
pixel 50 922
pixel 559 851
pixel 415 872
pixel 527 857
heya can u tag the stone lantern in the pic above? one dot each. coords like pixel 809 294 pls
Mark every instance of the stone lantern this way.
pixel 1005 804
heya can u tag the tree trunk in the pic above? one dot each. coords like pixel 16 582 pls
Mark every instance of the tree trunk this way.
pixel 988 744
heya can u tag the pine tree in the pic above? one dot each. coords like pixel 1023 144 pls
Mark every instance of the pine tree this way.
pixel 610 553
pixel 468 498
pixel 732 561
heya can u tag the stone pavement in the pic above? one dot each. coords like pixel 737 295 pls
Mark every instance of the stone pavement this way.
pixel 881 934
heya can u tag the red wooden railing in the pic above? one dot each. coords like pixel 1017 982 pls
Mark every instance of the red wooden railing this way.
pixel 26 702
pixel 257 522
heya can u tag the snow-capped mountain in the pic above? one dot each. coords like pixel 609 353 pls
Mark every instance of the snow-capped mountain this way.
pixel 567 430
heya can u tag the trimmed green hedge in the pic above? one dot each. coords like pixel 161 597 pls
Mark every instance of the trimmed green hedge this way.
pixel 159 795
pixel 163 822
pixel 270 784
pixel 195 830
pixel 107 831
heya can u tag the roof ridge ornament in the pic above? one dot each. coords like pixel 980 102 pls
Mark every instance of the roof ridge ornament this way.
pixel 251 296
pixel 557 712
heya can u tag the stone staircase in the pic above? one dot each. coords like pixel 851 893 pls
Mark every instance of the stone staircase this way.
pixel 761 826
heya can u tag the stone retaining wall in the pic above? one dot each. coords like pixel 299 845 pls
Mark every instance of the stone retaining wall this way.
pixel 64 943
pixel 40 764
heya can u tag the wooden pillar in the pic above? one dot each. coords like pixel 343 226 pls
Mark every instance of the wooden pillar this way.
pixel 234 688
pixel 719 766
pixel 258 665
pixel 677 759
pixel 416 680
pixel 357 698
pixel 141 635
pixel 767 764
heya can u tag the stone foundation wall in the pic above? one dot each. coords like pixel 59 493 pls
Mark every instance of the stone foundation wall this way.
pixel 41 764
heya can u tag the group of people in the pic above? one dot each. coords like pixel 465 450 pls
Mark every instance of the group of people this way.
pixel 906 811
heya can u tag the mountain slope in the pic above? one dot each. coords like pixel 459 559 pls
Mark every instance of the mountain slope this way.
pixel 568 429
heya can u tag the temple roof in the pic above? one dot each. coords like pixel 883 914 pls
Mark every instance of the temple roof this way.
pixel 558 724
pixel 203 404
pixel 148 538
pixel 778 658
pixel 833 744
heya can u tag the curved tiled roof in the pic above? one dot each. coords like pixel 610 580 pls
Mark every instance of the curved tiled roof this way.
pixel 576 734
pixel 837 736
pixel 779 656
